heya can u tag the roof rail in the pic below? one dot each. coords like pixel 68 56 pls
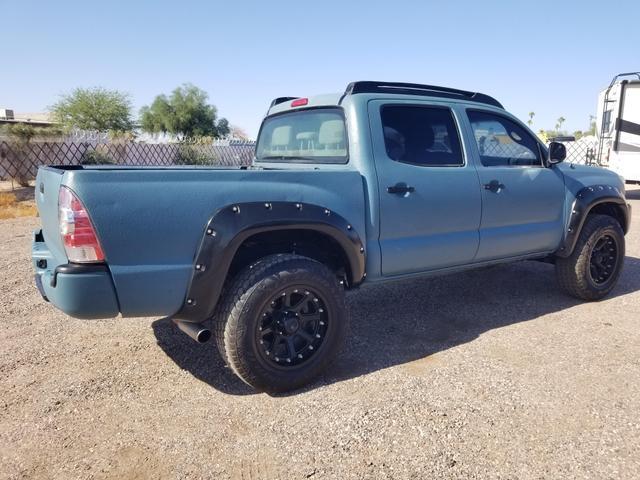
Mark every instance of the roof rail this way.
pixel 419 89
pixel 277 101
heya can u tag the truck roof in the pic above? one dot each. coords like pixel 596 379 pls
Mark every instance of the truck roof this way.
pixel 281 104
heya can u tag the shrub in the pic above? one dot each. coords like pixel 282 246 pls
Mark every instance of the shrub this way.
pixel 193 155
pixel 96 157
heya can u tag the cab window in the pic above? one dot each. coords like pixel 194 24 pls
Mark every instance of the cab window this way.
pixel 420 135
pixel 502 142
pixel 316 135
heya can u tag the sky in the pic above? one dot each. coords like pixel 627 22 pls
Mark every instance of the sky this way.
pixel 549 57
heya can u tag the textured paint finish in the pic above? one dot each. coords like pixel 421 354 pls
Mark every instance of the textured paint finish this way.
pixel 525 216
pixel 436 226
pixel 151 221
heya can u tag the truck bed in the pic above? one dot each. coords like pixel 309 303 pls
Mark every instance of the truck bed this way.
pixel 150 221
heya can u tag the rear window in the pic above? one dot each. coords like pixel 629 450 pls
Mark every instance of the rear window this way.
pixel 314 136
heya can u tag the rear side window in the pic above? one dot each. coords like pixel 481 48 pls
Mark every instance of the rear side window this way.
pixel 425 136
pixel 314 136
pixel 502 142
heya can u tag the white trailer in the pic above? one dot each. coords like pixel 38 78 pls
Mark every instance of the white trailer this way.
pixel 618 126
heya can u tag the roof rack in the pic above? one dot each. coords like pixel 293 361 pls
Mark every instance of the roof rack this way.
pixel 279 100
pixel 419 89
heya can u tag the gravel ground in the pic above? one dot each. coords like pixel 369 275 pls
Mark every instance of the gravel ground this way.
pixel 486 374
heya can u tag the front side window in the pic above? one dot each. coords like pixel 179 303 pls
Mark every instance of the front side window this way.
pixel 502 142
pixel 313 136
pixel 425 136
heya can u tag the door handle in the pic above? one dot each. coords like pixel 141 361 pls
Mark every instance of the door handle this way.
pixel 400 189
pixel 494 185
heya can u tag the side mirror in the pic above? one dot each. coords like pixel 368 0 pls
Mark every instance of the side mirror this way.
pixel 557 153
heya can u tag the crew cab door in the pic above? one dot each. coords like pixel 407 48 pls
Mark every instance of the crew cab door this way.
pixel 429 200
pixel 522 200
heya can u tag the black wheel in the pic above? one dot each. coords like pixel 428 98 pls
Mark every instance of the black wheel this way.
pixel 281 322
pixel 592 270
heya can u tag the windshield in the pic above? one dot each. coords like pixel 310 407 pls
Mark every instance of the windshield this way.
pixel 314 136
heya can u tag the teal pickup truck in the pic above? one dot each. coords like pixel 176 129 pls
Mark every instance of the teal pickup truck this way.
pixel 384 181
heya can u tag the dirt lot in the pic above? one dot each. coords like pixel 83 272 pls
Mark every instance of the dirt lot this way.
pixel 486 374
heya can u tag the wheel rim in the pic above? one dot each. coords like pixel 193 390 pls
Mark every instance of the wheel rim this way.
pixel 604 259
pixel 292 326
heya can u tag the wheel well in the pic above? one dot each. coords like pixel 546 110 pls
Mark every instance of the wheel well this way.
pixel 308 243
pixel 613 210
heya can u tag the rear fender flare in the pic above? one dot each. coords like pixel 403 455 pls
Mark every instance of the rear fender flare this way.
pixel 231 225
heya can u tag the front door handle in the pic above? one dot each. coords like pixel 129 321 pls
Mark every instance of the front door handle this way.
pixel 400 189
pixel 494 185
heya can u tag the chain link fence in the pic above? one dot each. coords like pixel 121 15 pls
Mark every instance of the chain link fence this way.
pixel 583 151
pixel 20 160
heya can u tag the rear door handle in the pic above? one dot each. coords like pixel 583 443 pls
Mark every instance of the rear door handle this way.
pixel 400 189
pixel 494 185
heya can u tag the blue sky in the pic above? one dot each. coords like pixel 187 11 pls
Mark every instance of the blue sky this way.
pixel 549 57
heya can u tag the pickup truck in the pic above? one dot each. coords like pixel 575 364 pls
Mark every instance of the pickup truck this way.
pixel 385 181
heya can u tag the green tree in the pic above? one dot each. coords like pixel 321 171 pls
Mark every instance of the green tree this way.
pixel 20 136
pixel 561 120
pixel 530 121
pixel 94 109
pixel 185 114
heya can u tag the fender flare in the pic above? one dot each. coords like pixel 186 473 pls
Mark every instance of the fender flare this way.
pixel 586 199
pixel 231 225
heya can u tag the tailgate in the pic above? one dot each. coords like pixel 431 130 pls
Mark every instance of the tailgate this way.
pixel 47 187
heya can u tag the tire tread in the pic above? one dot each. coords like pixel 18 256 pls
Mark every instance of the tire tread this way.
pixel 229 327
pixel 572 271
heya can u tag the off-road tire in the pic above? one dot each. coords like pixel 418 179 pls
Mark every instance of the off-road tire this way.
pixel 237 320
pixel 573 272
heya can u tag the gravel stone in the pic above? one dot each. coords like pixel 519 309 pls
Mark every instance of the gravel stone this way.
pixel 488 374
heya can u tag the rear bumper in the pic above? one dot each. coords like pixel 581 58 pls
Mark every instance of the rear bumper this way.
pixel 79 290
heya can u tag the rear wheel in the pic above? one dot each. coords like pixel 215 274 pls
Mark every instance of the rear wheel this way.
pixel 281 322
pixel 593 269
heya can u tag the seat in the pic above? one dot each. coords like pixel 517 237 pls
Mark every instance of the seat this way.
pixel 306 140
pixel 281 138
pixel 419 141
pixel 331 135
pixel 394 143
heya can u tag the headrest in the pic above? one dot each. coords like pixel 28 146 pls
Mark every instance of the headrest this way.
pixel 391 133
pixel 331 132
pixel 281 136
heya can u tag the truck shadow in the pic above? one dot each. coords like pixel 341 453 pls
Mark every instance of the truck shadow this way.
pixel 402 322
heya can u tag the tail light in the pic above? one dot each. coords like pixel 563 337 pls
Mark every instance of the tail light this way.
pixel 78 235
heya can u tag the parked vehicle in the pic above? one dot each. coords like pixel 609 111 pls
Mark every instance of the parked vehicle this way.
pixel 618 121
pixel 385 181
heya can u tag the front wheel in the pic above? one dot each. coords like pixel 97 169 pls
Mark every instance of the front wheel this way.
pixel 593 268
pixel 281 322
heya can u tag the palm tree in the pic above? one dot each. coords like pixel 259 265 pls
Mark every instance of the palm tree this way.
pixel 531 115
pixel 559 124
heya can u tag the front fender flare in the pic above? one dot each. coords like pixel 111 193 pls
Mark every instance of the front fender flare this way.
pixel 231 225
pixel 586 199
